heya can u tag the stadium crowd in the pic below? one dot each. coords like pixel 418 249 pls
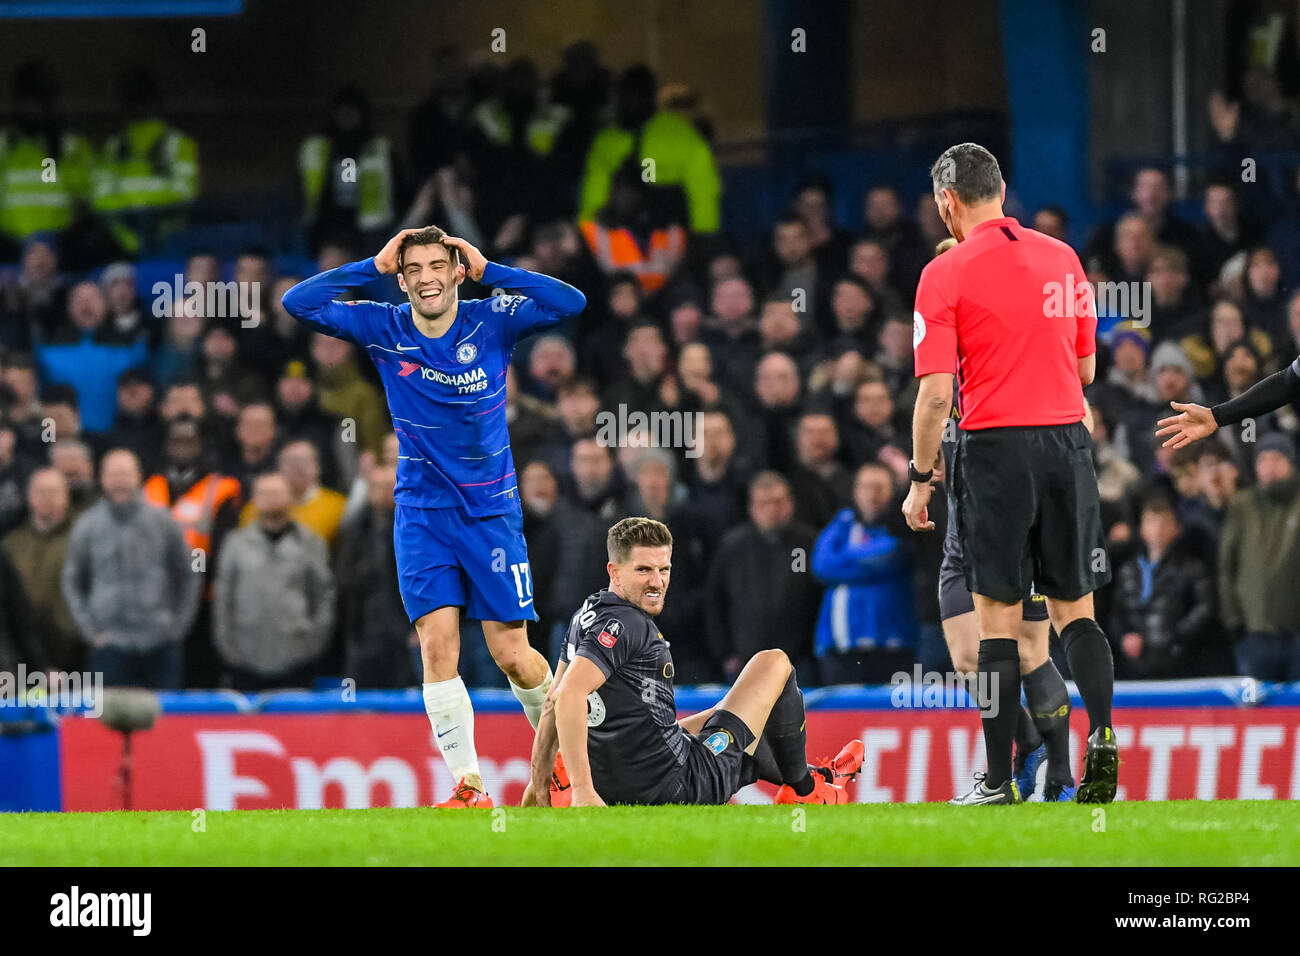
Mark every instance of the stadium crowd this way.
pixel 192 499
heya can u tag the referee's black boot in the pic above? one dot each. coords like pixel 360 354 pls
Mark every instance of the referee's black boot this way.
pixel 981 795
pixel 1100 768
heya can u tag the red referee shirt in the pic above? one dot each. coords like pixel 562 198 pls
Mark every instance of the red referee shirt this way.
pixel 1010 312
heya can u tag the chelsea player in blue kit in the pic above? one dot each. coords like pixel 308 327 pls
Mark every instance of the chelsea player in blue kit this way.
pixel 458 532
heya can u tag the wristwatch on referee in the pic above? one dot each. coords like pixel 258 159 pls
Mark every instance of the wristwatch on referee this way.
pixel 918 477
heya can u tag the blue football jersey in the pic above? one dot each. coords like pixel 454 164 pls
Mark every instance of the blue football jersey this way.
pixel 447 395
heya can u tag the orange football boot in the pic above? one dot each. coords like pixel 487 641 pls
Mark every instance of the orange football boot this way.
pixel 466 796
pixel 847 762
pixel 822 792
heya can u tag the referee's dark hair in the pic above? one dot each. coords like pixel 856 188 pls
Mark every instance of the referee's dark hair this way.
pixel 970 171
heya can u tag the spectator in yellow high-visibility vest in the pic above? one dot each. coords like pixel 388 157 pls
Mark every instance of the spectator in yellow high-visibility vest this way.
pixel 44 168
pixel 148 172
pixel 347 175
pixel 682 158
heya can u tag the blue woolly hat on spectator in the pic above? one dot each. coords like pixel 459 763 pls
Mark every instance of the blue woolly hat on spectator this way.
pixel 1130 335
pixel 1276 441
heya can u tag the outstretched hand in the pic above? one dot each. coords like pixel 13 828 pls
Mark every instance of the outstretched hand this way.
pixel 1193 423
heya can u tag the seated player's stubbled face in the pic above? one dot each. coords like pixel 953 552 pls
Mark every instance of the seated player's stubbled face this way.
pixel 429 277
pixel 643 578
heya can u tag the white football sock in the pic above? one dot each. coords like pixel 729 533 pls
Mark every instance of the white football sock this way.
pixel 533 697
pixel 452 717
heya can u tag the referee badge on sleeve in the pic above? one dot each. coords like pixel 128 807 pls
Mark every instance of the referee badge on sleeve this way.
pixel 918 329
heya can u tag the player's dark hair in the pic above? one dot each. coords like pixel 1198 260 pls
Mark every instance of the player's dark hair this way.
pixel 428 236
pixel 636 533
pixel 969 170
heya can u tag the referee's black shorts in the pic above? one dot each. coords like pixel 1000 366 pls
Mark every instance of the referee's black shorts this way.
pixel 1028 514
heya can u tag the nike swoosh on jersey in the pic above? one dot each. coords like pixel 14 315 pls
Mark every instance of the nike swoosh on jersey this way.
pixel 408 348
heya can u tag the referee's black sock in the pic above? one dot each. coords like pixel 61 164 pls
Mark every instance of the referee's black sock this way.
pixel 999 658
pixel 1088 652
pixel 786 734
pixel 1049 706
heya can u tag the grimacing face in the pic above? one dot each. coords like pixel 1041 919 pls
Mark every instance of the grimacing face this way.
pixel 643 578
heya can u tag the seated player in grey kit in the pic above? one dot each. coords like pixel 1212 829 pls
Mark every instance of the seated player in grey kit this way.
pixel 611 711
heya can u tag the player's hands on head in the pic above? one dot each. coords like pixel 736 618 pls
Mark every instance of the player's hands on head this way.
pixel 473 260
pixel 1193 423
pixel 916 507
pixel 386 259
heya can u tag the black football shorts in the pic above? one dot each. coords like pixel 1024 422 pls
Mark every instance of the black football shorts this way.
pixel 954 595
pixel 1028 515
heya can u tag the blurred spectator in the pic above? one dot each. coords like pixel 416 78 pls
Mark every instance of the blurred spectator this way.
pixel 273 610
pixel 646 358
pixel 14 473
pixel 125 320
pixel 136 425
pixel 1150 198
pixel 440 123
pixel 347 175
pixel 719 483
pixel 871 424
pixel 730 332
pixel 179 354
pixel 377 633
pixel 73 460
pixel 17 640
pixel 45 168
pixel 1264 305
pixel 1216 486
pixel 1259 558
pixel 1051 220
pixel 1176 307
pixel 343 392
pixel 821 485
pixel 866 631
pixel 760 594
pixel 205 504
pixel 298 414
pixel 624 234
pixel 32 303
pixel 255 435
pixel 814 204
pixel 685 173
pixel 319 510
pixel 129 583
pixel 596 484
pixel 24 411
pixel 792 270
pixel 38 550
pixel 1225 232
pixel 1163 605
pixel 89 357
pixel 148 173
pixel 898 237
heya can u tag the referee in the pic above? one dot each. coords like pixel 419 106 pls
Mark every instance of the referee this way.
pixel 1010 314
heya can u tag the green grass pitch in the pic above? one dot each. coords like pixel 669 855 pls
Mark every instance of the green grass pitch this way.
pixel 1231 833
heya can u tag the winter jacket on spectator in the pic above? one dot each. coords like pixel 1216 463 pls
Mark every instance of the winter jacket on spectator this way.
pixel 1259 559
pixel 128 578
pixel 273 610
pixel 868 573
pixel 372 619
pixel 18 643
pixel 345 394
pixel 38 557
pixel 761 594
pixel 92 368
pixel 1170 603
